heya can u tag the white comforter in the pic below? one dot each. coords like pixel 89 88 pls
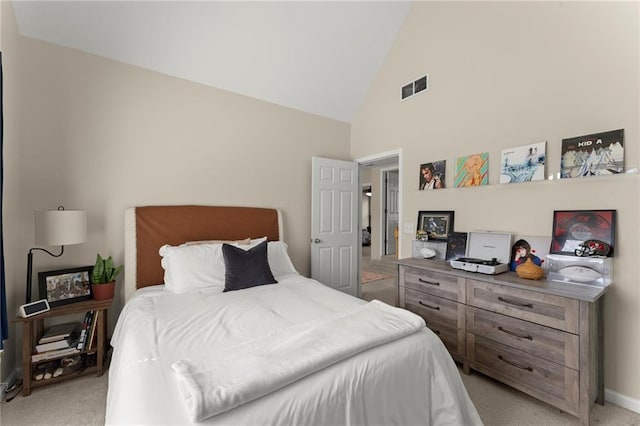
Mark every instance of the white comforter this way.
pixel 408 381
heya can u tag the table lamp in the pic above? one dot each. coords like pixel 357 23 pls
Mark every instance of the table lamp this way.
pixel 56 228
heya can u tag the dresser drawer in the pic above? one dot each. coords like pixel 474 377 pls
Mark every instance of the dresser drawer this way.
pixel 442 285
pixel 547 343
pixel 444 317
pixel 553 311
pixel 551 382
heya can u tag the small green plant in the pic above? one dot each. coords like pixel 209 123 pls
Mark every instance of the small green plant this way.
pixel 104 271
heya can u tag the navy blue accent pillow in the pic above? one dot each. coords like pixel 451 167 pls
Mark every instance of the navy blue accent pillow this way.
pixel 246 268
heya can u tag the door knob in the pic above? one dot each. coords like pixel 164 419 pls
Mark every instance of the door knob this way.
pixel 316 240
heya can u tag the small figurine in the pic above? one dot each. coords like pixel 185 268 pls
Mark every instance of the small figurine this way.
pixel 422 235
pixel 524 262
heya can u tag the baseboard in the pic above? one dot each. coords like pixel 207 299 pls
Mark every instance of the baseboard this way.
pixel 623 401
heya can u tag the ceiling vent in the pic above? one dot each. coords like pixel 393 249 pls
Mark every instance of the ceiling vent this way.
pixel 415 87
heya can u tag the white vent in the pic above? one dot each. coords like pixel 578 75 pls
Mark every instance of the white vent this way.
pixel 415 87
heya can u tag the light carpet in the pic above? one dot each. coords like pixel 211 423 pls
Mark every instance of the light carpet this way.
pixel 82 402
pixel 368 276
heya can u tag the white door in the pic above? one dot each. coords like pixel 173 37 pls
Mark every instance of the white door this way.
pixel 335 197
pixel 392 207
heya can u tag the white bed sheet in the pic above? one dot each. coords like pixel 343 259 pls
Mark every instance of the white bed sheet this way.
pixel 406 382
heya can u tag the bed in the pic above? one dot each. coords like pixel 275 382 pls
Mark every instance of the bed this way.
pixel 196 343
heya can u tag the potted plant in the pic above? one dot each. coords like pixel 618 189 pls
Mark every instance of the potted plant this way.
pixel 103 278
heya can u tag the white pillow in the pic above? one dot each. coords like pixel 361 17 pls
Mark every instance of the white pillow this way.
pixel 254 242
pixel 279 260
pixel 194 243
pixel 192 267
pixel 196 266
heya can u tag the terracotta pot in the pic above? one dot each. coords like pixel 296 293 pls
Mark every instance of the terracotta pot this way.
pixel 103 291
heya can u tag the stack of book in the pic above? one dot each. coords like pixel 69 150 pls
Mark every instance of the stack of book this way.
pixel 59 340
pixel 68 339
pixel 88 334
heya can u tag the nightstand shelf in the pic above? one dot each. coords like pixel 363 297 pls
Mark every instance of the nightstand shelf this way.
pixel 33 327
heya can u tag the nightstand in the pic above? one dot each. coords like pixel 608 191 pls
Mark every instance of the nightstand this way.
pixel 33 327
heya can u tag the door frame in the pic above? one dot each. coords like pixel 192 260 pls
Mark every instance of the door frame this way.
pixel 396 153
pixel 383 214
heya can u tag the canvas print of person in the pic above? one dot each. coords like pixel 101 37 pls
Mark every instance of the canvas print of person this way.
pixel 593 155
pixel 432 175
pixel 472 170
pixel 523 163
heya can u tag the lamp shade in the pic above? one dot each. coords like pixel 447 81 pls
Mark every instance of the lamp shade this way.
pixel 61 227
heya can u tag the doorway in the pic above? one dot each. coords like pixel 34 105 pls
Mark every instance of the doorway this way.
pixel 379 216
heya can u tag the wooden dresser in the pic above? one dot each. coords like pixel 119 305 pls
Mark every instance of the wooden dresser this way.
pixel 542 337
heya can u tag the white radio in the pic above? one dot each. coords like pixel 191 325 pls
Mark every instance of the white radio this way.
pixel 33 308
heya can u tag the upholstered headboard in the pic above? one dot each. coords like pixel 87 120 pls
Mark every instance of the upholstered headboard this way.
pixel 149 228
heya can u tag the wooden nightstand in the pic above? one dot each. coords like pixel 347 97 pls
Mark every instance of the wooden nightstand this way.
pixel 33 327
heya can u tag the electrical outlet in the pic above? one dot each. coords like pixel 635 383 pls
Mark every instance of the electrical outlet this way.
pixel 408 228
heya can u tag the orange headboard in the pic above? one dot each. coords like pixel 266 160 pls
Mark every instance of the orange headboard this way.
pixel 174 225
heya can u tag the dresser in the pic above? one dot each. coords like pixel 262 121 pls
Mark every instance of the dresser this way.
pixel 541 337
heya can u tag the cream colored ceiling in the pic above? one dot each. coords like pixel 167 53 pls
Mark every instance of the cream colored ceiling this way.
pixel 318 57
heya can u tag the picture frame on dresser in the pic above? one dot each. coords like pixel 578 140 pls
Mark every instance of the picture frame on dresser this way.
pixel 456 245
pixel 573 227
pixel 64 286
pixel 437 224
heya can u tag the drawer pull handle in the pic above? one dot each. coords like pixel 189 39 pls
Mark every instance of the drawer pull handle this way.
pixel 522 336
pixel 429 282
pixel 437 308
pixel 524 305
pixel 522 367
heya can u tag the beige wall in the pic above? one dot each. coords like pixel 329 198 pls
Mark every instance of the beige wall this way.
pixel 99 135
pixel 506 74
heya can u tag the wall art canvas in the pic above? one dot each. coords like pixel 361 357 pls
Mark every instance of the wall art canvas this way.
pixel 432 175
pixel 593 155
pixel 523 163
pixel 472 170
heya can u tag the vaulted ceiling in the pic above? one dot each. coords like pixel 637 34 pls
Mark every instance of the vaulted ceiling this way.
pixel 317 57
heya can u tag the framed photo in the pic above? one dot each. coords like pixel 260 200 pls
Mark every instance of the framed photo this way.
pixel 472 170
pixel 573 227
pixel 437 224
pixel 65 286
pixel 593 155
pixel 523 163
pixel 432 175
